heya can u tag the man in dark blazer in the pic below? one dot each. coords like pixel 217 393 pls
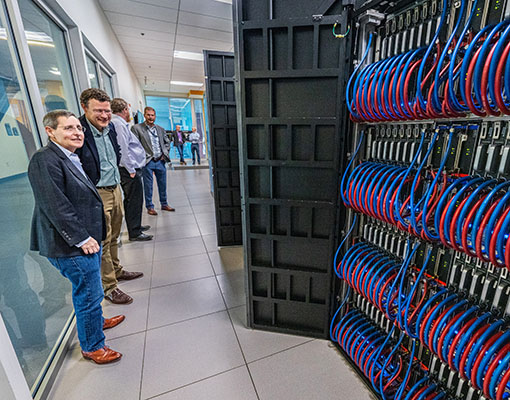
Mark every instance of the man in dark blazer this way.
pixel 67 226
pixel 100 156
pixel 156 145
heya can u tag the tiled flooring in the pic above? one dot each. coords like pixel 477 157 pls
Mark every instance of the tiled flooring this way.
pixel 185 335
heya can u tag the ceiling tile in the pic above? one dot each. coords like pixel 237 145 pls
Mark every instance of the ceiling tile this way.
pixel 134 8
pixel 145 44
pixel 203 33
pixel 148 34
pixel 140 22
pixel 208 7
pixel 206 44
pixel 200 49
pixel 203 21
pixel 161 3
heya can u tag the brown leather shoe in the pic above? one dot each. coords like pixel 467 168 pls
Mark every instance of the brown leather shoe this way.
pixel 167 208
pixel 102 356
pixel 152 211
pixel 129 276
pixel 117 296
pixel 112 322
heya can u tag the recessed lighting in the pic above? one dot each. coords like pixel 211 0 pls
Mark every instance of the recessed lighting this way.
pixel 225 1
pixel 188 55
pixel 180 83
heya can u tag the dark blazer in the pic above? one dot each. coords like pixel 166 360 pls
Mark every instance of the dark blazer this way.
pixel 68 208
pixel 184 136
pixel 88 153
pixel 142 133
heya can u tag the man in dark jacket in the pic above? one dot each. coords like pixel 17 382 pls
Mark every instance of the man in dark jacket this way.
pixel 100 156
pixel 67 227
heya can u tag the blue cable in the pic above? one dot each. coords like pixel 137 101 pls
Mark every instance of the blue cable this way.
pixel 365 55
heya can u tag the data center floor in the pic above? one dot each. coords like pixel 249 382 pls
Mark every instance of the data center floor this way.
pixel 185 334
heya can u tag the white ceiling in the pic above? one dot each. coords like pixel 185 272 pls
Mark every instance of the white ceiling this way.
pixel 168 25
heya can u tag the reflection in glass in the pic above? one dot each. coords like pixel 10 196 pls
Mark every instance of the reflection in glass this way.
pixel 48 49
pixel 91 68
pixel 107 83
pixel 34 298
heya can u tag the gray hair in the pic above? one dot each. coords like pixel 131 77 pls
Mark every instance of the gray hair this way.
pixel 118 105
pixel 51 119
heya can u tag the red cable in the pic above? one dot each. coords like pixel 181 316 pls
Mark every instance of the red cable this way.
pixel 442 338
pixel 485 84
pixel 498 87
pixel 494 239
pixel 481 231
pixel 480 357
pixel 456 340
pixel 467 350
pixel 465 227
pixel 492 368
pixel 469 86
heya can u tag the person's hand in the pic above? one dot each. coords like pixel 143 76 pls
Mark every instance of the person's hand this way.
pixel 132 175
pixel 91 246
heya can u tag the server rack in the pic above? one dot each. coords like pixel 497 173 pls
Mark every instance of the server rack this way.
pixel 423 298
pixel 220 89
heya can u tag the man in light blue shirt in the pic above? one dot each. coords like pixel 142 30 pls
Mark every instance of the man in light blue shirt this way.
pixel 132 161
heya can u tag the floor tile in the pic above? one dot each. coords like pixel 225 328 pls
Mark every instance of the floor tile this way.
pixel 142 283
pixel 259 344
pixel 207 228
pixel 204 208
pixel 232 288
pixel 79 379
pixel 232 385
pixel 180 354
pixel 227 259
pixel 312 371
pixel 135 255
pixel 170 232
pixel 136 315
pixel 178 248
pixel 181 269
pixel 176 219
pixel 205 217
pixel 174 303
pixel 211 242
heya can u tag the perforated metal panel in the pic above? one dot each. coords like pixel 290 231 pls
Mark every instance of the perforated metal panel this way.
pixel 220 92
pixel 291 143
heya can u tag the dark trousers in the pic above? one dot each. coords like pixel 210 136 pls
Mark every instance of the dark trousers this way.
pixel 195 150
pixel 180 149
pixel 157 168
pixel 133 200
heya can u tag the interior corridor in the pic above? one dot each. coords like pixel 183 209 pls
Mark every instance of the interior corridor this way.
pixel 185 334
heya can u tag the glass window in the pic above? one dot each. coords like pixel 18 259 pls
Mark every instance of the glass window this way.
pixel 35 300
pixel 91 68
pixel 199 118
pixel 48 49
pixel 107 83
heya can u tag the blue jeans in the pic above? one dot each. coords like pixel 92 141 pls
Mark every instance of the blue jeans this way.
pixel 84 274
pixel 195 150
pixel 180 149
pixel 158 168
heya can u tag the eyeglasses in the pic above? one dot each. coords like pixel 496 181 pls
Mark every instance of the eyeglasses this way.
pixel 70 128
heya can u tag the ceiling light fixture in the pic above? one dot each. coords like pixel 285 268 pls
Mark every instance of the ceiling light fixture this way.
pixel 225 1
pixel 55 71
pixel 188 55
pixel 180 83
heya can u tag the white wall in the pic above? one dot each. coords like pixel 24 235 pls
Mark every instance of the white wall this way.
pixel 91 21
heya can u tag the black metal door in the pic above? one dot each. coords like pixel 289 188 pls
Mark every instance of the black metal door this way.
pixel 291 69
pixel 220 96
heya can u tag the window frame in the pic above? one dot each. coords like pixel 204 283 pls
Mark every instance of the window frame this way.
pixel 100 66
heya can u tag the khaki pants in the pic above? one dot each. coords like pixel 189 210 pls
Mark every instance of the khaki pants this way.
pixel 110 264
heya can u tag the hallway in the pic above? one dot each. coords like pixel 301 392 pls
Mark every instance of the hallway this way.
pixel 185 334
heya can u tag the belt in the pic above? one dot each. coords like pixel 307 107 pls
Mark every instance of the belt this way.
pixel 107 187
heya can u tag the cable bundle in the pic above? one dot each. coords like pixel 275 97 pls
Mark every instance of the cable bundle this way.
pixel 464 75
pixel 470 341
pixel 379 357
pixel 469 214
